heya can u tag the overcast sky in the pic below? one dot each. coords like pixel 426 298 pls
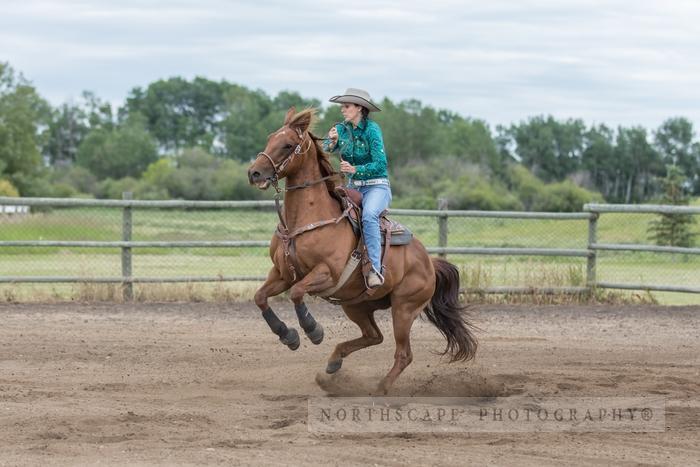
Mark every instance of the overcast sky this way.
pixel 611 61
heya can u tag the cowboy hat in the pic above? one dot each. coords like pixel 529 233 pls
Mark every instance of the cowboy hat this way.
pixel 356 96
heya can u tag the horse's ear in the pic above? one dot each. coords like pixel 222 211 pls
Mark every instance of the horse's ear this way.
pixel 290 113
pixel 301 123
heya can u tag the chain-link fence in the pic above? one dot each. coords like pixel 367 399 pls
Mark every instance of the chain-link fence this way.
pixel 131 242
pixel 628 258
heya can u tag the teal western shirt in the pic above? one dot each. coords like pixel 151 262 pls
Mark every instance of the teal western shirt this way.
pixel 362 147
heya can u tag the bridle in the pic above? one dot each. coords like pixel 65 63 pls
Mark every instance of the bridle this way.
pixel 278 168
pixel 283 231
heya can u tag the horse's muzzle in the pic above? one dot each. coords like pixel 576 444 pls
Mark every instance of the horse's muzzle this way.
pixel 253 176
pixel 258 179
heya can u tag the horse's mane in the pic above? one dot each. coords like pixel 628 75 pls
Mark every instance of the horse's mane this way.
pixel 324 160
pixel 324 163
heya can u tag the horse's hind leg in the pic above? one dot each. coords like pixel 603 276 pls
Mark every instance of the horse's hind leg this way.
pixel 363 316
pixel 274 285
pixel 402 314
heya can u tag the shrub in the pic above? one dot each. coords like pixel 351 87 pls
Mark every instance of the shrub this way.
pixel 414 201
pixel 63 190
pixel 524 184
pixel 80 178
pixel 8 189
pixel 474 192
pixel 113 189
pixel 564 196
pixel 231 182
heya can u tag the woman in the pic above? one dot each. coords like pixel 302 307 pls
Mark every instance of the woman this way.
pixel 359 142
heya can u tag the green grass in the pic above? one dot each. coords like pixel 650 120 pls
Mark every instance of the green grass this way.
pixel 215 225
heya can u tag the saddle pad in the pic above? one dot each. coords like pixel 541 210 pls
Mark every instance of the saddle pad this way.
pixel 400 235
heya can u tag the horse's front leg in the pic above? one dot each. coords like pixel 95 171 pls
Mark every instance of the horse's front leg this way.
pixel 315 281
pixel 275 285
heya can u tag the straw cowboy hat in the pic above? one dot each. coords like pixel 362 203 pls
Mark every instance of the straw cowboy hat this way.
pixel 356 96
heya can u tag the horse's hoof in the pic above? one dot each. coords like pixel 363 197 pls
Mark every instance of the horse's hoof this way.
pixel 316 336
pixel 334 366
pixel 382 388
pixel 291 340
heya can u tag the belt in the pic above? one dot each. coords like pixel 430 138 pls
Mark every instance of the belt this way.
pixel 371 181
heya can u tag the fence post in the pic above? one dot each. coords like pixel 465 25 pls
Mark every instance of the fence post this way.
pixel 127 284
pixel 442 226
pixel 592 253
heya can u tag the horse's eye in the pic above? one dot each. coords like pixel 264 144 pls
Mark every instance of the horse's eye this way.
pixel 287 146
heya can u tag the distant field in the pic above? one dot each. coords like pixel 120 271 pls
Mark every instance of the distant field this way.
pixel 212 225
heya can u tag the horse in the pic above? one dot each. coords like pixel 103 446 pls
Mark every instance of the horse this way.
pixel 311 248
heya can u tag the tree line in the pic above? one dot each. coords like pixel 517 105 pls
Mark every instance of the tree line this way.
pixel 194 139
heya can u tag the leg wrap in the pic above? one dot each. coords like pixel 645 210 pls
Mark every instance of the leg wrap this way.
pixel 306 321
pixel 277 326
pixel 313 330
pixel 288 336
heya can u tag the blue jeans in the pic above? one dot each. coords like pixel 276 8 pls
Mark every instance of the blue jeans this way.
pixel 375 199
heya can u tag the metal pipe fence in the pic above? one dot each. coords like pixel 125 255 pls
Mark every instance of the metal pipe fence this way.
pixel 154 239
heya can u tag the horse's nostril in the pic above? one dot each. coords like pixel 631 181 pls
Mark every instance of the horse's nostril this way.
pixel 255 175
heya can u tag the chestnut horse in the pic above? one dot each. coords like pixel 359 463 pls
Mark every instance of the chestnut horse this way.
pixel 323 241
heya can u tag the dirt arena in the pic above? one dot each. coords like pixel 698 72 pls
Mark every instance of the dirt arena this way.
pixel 203 383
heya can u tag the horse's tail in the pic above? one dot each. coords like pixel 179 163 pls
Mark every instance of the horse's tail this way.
pixel 448 315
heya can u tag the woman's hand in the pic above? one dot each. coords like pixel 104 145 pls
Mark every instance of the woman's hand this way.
pixel 333 134
pixel 333 137
pixel 345 167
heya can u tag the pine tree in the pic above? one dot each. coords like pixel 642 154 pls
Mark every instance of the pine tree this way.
pixel 673 229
